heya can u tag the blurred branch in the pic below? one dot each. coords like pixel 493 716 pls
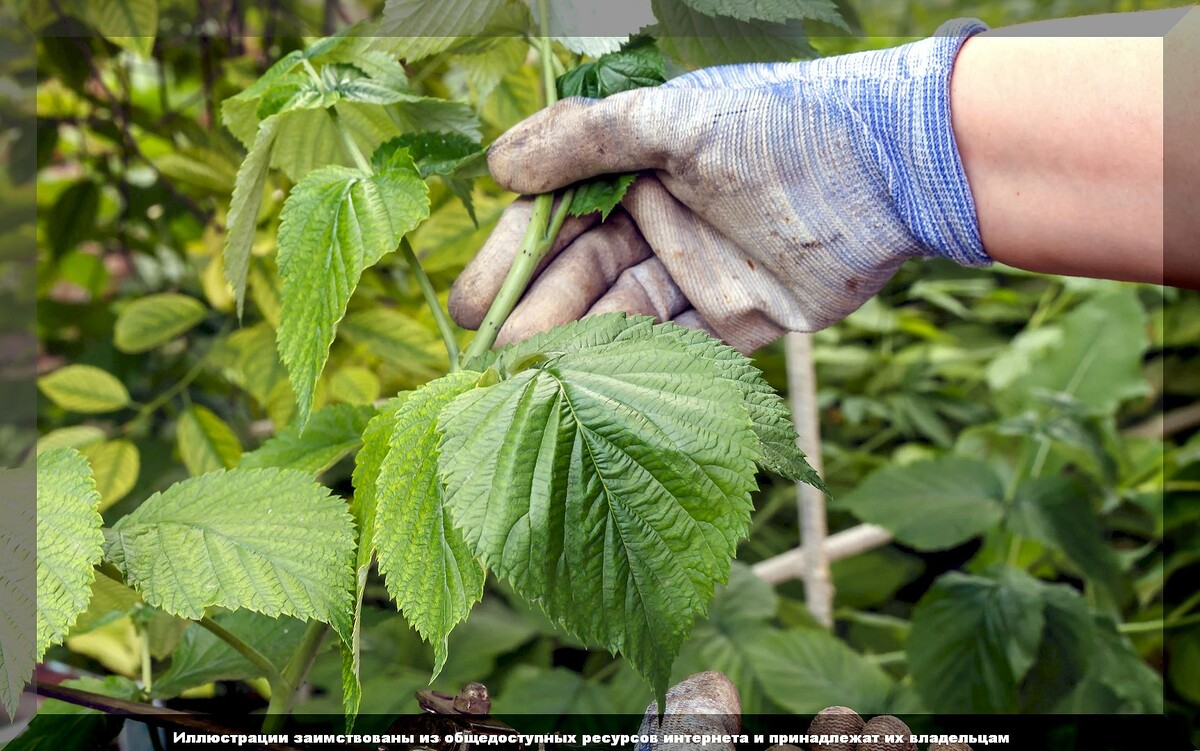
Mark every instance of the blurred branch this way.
pixel 802 391
pixel 850 542
pixel 1167 423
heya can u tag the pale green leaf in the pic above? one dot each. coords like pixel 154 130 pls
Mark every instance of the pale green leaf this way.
pixel 215 540
pixel 242 218
pixel 75 437
pixel 206 443
pixel 115 466
pixel 336 222
pixel 415 29
pixel 399 340
pixel 354 385
pixel 68 543
pixel 110 600
pixel 973 639
pixel 363 508
pixel 20 577
pixel 150 321
pixel 607 481
pixel 331 434
pixel 805 671
pixel 429 571
pixel 130 24
pixel 699 40
pixel 203 658
pixel 930 505
pixel 84 388
pixel 1099 362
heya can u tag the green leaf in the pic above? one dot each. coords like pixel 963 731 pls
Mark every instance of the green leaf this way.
pixel 1054 510
pixel 428 569
pixel 19 581
pixel 331 434
pixel 636 65
pixel 768 411
pixel 601 194
pixel 453 157
pixel 75 437
pixel 1066 651
pixel 68 543
pixel 152 320
pixel 115 466
pixel 364 508
pixel 1099 362
pixel 1117 681
pixel 551 693
pixel 110 600
pixel 698 40
pixel 929 505
pixel 203 658
pixel 773 11
pixel 354 385
pixel 336 222
pixel 806 670
pixel 84 388
pixel 399 340
pixel 623 465
pixel 130 24
pixel 215 540
pixel 242 218
pixel 416 29
pixel 206 443
pixel 973 639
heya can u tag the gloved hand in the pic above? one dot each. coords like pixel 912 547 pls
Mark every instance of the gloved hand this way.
pixel 773 197
pixel 708 704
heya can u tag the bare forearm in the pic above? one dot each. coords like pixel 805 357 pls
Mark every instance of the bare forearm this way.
pixel 1062 141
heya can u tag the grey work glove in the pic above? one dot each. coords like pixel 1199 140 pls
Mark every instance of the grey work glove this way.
pixel 771 198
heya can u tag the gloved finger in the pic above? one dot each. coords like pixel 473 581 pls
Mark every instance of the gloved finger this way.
pixel 577 278
pixel 701 704
pixel 477 285
pixel 883 726
pixel 580 138
pixel 693 320
pixel 836 721
pixel 645 289
pixel 728 288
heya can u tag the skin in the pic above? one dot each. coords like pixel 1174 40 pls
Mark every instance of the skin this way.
pixel 1062 140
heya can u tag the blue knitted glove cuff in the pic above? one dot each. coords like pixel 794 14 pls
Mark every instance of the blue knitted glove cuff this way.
pixel 928 183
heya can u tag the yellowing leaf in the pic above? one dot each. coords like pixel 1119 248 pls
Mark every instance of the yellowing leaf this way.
pixel 84 388
pixel 206 443
pixel 156 319
pixel 354 386
pixel 75 437
pixel 115 465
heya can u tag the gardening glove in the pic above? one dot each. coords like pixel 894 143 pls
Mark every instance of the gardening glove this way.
pixel 771 197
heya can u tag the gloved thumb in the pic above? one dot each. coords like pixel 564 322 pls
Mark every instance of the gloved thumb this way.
pixel 576 139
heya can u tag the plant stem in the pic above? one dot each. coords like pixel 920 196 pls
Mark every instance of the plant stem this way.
pixel 539 238
pixel 355 153
pixel 1140 627
pixel 284 693
pixel 147 674
pixel 445 327
pixel 544 222
pixel 258 659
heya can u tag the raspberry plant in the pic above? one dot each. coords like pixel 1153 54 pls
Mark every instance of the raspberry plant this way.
pixel 602 470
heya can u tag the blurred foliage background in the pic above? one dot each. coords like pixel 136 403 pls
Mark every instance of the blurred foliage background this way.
pixel 1031 442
